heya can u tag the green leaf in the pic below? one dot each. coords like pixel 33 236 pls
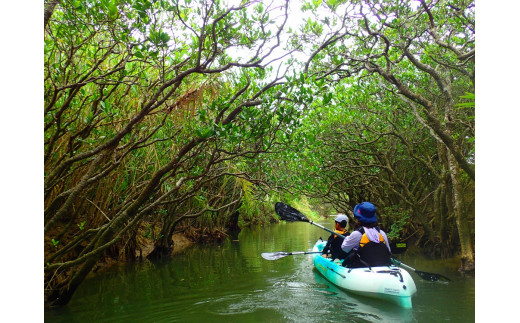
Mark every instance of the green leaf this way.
pixel 55 243
pixel 81 226
pixel 113 12
pixel 327 97
pixel 164 37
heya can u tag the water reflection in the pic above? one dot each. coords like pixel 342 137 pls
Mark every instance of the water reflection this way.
pixel 231 282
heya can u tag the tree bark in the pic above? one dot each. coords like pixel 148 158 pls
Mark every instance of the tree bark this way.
pixel 48 11
pixel 467 254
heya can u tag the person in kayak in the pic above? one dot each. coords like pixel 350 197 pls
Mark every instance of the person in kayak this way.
pixel 334 242
pixel 367 245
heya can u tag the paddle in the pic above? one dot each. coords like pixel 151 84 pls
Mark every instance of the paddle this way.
pixel 424 275
pixel 289 213
pixel 280 254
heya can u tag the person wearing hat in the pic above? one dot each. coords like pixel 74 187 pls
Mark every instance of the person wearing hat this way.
pixel 368 245
pixel 334 242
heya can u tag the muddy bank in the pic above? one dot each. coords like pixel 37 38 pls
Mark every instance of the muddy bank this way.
pixel 146 246
pixel 180 242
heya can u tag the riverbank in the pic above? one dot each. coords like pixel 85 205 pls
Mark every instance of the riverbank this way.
pixel 180 243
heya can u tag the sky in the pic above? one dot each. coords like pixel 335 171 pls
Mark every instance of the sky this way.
pixel 21 169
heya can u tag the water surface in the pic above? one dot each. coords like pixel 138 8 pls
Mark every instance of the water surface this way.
pixel 231 282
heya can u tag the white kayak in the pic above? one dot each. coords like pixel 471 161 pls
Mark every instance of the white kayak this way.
pixel 389 283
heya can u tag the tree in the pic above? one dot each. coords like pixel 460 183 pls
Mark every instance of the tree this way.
pixel 167 113
pixel 144 106
pixel 421 54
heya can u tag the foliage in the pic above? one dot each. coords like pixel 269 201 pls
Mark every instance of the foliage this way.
pixel 170 116
pixel 398 126
pixel 150 119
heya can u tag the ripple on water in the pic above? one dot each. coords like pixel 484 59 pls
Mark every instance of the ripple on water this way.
pixel 233 283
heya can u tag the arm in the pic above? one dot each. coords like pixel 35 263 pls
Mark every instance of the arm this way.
pixel 326 249
pixel 351 242
pixel 386 240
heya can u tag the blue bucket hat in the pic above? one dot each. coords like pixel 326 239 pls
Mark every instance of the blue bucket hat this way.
pixel 365 212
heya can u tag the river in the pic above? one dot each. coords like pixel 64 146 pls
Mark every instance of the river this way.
pixel 231 282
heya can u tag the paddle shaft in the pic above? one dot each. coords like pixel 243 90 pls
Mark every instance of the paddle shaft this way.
pixel 422 274
pixel 326 229
pixel 299 253
pixel 395 249
pixel 281 254
pixel 398 263
pixel 342 236
pixel 302 218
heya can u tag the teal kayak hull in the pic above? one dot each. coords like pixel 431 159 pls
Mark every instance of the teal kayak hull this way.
pixel 389 283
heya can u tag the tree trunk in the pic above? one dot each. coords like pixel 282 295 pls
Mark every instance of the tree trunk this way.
pixel 232 225
pixel 160 251
pixel 444 210
pixel 63 292
pixel 48 11
pixel 163 247
pixel 467 254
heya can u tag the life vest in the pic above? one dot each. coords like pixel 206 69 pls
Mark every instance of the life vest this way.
pixel 370 253
pixel 334 245
pixel 343 232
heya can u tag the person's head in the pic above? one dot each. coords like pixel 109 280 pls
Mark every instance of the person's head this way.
pixel 365 213
pixel 341 221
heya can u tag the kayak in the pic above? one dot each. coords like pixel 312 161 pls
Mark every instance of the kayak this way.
pixel 389 283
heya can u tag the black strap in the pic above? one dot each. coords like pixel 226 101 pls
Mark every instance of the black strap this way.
pixel 362 229
pixel 364 263
pixel 353 253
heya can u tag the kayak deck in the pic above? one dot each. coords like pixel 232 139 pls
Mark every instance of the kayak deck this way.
pixel 389 283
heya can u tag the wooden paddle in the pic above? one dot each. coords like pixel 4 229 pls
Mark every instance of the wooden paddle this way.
pixel 290 214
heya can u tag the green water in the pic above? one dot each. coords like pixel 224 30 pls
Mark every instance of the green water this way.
pixel 231 282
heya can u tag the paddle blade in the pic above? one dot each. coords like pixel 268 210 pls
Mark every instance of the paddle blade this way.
pixel 289 213
pixel 274 255
pixel 432 277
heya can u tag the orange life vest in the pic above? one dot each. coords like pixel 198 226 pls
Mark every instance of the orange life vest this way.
pixel 371 253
